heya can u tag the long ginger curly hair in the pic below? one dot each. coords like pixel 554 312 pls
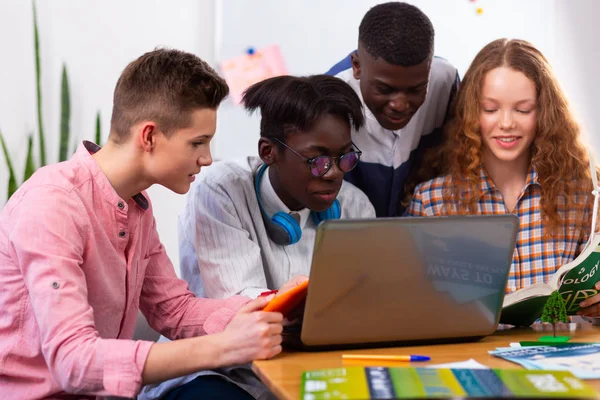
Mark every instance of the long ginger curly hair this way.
pixel 557 153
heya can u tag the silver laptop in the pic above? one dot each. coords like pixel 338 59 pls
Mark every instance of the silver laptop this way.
pixel 392 281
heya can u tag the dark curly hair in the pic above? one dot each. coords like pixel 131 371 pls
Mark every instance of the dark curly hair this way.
pixel 397 32
pixel 290 104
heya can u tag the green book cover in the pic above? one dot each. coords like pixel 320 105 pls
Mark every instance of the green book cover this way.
pixel 578 283
pixel 403 383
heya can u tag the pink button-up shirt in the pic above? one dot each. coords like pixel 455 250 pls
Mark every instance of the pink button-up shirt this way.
pixel 76 264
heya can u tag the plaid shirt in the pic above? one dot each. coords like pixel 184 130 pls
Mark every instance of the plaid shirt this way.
pixel 535 259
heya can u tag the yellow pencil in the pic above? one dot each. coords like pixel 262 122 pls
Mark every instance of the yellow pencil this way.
pixel 379 357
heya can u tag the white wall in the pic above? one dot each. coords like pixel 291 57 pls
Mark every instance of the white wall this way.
pixel 96 39
pixel 576 37
pixel 313 35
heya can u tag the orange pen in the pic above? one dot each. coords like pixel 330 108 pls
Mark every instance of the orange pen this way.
pixel 375 357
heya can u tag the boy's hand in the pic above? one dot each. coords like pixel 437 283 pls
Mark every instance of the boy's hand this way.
pixel 252 334
pixel 591 307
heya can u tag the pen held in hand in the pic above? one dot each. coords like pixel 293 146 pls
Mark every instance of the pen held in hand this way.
pixel 375 357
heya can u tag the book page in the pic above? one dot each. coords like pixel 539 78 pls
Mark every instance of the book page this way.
pixel 535 290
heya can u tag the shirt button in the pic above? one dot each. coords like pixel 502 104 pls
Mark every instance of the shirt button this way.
pixel 120 205
pixel 122 233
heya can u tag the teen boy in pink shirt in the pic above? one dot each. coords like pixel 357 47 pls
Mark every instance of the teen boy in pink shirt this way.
pixel 80 254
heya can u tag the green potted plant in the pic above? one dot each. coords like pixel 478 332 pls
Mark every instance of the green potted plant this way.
pixel 31 164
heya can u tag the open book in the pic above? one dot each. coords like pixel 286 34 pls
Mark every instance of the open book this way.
pixel 574 281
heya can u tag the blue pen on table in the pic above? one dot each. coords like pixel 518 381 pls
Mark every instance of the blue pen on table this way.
pixel 377 357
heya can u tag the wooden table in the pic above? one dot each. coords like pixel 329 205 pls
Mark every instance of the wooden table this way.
pixel 282 374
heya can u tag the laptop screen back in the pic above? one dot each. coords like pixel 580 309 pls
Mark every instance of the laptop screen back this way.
pixel 406 279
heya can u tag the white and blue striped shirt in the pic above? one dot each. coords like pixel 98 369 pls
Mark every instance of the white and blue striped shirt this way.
pixel 223 243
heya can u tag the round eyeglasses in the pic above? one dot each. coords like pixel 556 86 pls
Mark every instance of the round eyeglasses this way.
pixel 320 165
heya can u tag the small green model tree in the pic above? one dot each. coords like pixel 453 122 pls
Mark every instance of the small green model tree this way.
pixel 554 311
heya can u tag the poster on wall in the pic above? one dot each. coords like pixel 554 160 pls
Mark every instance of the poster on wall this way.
pixel 254 66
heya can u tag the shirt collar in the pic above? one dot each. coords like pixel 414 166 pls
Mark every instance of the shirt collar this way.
pixel 487 185
pixel 84 154
pixel 272 204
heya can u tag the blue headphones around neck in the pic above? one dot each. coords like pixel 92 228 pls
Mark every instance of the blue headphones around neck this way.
pixel 282 228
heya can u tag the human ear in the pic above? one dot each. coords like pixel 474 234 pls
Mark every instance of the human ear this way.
pixel 267 151
pixel 147 133
pixel 355 65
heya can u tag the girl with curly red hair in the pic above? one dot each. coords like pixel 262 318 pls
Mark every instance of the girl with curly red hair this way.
pixel 513 146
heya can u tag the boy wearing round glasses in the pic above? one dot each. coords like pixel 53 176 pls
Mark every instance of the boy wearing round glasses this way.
pixel 249 226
